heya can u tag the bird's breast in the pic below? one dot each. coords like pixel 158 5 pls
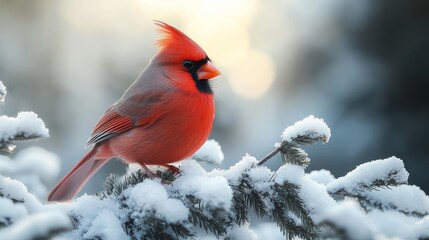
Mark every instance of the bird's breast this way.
pixel 182 128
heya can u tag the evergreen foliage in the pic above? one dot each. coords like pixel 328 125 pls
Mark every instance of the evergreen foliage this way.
pixel 222 203
pixel 280 202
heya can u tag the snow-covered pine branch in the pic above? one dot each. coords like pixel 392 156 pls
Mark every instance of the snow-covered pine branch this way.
pixel 307 131
pixel 26 125
pixel 23 217
pixel 35 167
pixel 199 204
pixel 218 202
pixel 368 176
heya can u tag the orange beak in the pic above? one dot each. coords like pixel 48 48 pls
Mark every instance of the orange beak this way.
pixel 208 71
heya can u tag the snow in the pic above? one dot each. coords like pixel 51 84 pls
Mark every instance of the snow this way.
pixel 36 226
pixel 33 166
pixel 89 212
pixel 43 163
pixel 26 123
pixel 86 206
pixel 10 212
pixel 415 201
pixel 210 152
pixel 234 173
pixel 289 172
pixel 16 190
pixel 398 212
pixel 106 226
pixel 214 191
pixel 260 173
pixel 349 217
pixel 309 125
pixel 268 231
pixel 421 229
pixel 3 92
pixel 366 174
pixel 149 196
pixel 321 176
pixel 314 195
pixel 392 223
pixel 242 232
pixel 260 177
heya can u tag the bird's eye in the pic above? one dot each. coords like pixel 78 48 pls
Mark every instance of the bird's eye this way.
pixel 188 64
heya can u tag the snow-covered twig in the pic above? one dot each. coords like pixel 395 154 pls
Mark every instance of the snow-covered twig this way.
pixel 25 126
pixel 307 131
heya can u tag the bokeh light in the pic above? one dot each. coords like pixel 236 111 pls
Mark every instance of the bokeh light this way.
pixel 226 41
pixel 253 76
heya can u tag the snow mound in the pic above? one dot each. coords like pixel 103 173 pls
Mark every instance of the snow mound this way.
pixel 416 201
pixel 372 174
pixel 37 226
pixel 321 176
pixel 151 195
pixel 314 195
pixel 214 191
pixel 210 152
pixel 33 166
pixel 25 125
pixel 307 126
pixel 348 216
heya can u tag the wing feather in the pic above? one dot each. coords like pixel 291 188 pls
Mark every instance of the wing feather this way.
pixel 125 115
pixel 111 124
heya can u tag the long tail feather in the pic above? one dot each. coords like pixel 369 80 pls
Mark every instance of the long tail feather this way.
pixel 73 182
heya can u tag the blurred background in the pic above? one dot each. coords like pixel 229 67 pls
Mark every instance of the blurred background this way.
pixel 362 66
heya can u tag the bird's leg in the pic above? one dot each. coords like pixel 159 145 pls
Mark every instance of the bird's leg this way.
pixel 172 168
pixel 148 171
pixel 154 176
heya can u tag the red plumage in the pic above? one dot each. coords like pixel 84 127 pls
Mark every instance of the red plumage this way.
pixel 163 117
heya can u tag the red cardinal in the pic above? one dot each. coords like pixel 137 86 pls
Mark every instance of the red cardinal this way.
pixel 164 116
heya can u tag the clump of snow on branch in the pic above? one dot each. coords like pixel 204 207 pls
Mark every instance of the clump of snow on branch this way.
pixel 3 92
pixel 315 197
pixel 210 152
pixel 24 125
pixel 393 199
pixel 350 220
pixel 37 226
pixel 321 176
pixel 105 226
pixel 22 216
pixel 268 230
pixel 213 191
pixel 243 232
pixel 17 192
pixel 33 166
pixel 308 126
pixel 377 173
pixel 235 172
pixel 96 218
pixel 172 210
